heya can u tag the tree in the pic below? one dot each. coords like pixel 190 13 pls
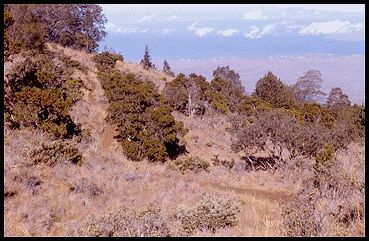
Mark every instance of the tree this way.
pixel 226 73
pixel 79 26
pixel 307 87
pixel 337 98
pixel 166 68
pixel 227 83
pixel 271 89
pixel 187 95
pixel 146 61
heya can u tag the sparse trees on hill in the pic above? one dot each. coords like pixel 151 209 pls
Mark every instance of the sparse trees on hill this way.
pixel 307 87
pixel 166 68
pixel 146 61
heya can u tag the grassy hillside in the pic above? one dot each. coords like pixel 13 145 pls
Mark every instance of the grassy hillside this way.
pixel 208 190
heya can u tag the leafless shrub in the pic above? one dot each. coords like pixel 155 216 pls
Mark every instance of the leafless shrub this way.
pixel 332 200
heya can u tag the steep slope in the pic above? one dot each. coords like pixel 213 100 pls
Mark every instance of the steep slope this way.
pixel 91 111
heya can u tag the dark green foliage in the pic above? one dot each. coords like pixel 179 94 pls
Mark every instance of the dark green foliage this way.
pixel 218 101
pixel 8 21
pixel 227 82
pixel 251 105
pixel 323 159
pixel 26 31
pixel 146 61
pixel 106 60
pixel 39 93
pixel 186 94
pixel 272 90
pixel 226 73
pixel 187 164
pixel 79 26
pixel 166 68
pixel 145 125
pixel 57 151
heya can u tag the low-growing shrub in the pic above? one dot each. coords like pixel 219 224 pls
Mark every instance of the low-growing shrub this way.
pixel 210 212
pixel 191 163
pixel 57 151
pixel 226 163
pixel 106 60
pixel 145 222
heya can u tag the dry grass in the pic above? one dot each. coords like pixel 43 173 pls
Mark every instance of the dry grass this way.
pixel 53 201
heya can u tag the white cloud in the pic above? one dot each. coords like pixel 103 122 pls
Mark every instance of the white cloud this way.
pixel 228 32
pixel 173 18
pixel 259 32
pixel 168 30
pixel 336 26
pixel 254 15
pixel 146 18
pixel 192 27
pixel 199 31
pixel 111 27
pixel 203 31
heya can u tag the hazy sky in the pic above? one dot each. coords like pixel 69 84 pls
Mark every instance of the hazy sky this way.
pixel 182 33
pixel 252 20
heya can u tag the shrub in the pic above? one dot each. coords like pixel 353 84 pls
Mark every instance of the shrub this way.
pixel 226 163
pixel 272 90
pixel 79 26
pixel 145 125
pixel 106 60
pixel 145 222
pixel 323 207
pixel 186 164
pixel 210 212
pixel 57 151
pixel 39 93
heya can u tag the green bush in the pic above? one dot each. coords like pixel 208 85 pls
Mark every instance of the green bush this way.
pixel 57 151
pixel 210 212
pixel 39 93
pixel 272 90
pixel 186 164
pixel 145 125
pixel 106 60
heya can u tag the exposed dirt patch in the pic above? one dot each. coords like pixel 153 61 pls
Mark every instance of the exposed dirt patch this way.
pixel 272 196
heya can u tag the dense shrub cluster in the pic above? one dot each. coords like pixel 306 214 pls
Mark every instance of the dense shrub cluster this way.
pixel 39 92
pixel 272 90
pixel 106 60
pixel 57 151
pixel 210 212
pixel 186 164
pixel 145 125
pixel 194 95
pixel 30 26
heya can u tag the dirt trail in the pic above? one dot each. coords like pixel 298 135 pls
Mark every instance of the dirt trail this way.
pixel 272 196
pixel 91 110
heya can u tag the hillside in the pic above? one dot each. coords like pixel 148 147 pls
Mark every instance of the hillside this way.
pixel 66 199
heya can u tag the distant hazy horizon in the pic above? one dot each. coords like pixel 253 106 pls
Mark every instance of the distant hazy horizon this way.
pixel 288 39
